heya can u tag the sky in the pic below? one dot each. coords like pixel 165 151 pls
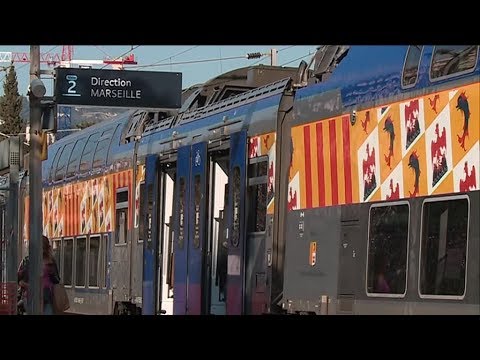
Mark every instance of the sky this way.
pixel 166 59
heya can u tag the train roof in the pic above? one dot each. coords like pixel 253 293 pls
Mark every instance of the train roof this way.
pixel 126 128
pixel 370 73
pixel 360 74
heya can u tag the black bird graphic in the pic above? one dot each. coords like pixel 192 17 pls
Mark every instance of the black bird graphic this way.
pixel 388 127
pixel 462 105
pixel 415 165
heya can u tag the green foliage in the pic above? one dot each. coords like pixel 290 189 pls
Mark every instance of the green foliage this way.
pixel 84 124
pixel 11 105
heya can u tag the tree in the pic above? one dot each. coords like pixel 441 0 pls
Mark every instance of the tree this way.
pixel 11 105
pixel 84 124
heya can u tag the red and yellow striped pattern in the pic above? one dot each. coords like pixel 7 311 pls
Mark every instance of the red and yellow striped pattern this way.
pixel 322 156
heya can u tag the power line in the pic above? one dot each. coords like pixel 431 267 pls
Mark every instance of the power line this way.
pixel 287 47
pixel 175 55
pixel 194 61
pixel 301 57
pixel 103 51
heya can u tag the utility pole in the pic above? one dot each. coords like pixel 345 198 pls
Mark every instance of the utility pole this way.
pixel 36 93
pixel 273 57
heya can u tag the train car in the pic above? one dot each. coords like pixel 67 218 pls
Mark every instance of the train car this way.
pixel 83 200
pixel 381 192
pixel 108 195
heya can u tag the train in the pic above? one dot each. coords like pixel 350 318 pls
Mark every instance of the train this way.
pixel 346 185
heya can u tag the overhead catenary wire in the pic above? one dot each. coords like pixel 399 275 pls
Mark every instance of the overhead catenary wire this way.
pixel 299 58
pixel 103 51
pixel 175 55
pixel 256 55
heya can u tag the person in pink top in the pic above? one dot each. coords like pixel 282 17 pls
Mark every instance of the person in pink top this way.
pixel 50 277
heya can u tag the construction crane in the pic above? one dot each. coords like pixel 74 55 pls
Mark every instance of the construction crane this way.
pixel 65 59
pixel 49 58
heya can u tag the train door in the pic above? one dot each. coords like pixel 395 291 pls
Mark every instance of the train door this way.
pixel 166 232
pixel 236 224
pixel 121 251
pixel 181 231
pixel 224 280
pixel 256 219
pixel 209 249
pixel 157 229
pixel 197 230
pixel 190 249
pixel 217 246
pixel 149 234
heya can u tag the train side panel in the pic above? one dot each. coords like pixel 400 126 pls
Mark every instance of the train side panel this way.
pixel 411 152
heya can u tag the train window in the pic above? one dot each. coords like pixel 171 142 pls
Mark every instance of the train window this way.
pixel 54 163
pixel 115 142
pixel 181 213
pixel 387 250
pixel 257 195
pixel 410 68
pixel 122 198
pixel 80 261
pixel 258 168
pixel 196 209
pixel 101 151
pixel 121 217
pixel 63 162
pixel 236 206
pixel 87 155
pixel 103 262
pixel 93 261
pixel 75 158
pixel 141 214
pixel 67 261
pixel 121 226
pixel 453 60
pixel 57 253
pixel 443 251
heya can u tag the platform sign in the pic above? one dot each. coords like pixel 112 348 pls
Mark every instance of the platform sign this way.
pixel 118 88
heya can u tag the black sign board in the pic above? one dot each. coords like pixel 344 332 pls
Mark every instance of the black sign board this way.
pixel 124 88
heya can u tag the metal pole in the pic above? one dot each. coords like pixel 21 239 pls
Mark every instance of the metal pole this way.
pixel 35 189
pixel 273 57
pixel 12 214
pixel 14 170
